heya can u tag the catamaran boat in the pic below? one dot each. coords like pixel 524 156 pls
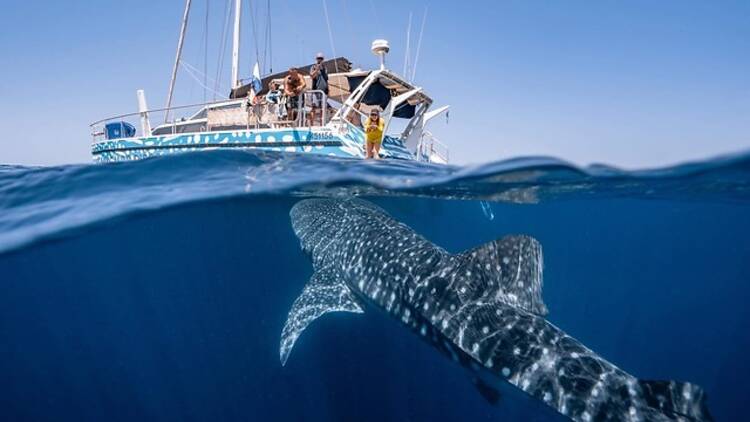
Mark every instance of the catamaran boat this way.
pixel 239 122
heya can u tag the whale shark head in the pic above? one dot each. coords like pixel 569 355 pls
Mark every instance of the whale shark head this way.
pixel 507 269
pixel 318 222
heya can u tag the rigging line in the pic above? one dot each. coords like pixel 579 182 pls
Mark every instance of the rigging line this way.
pixel 375 13
pixel 267 55
pixel 298 39
pixel 198 79
pixel 205 52
pixel 256 13
pixel 222 49
pixel 419 45
pixel 198 57
pixel 265 44
pixel 408 48
pixel 195 69
pixel 270 39
pixel 349 24
pixel 264 53
pixel 330 36
pixel 178 56
pixel 261 31
pixel 253 23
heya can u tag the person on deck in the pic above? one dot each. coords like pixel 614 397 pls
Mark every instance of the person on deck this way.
pixel 354 117
pixel 374 127
pixel 319 76
pixel 254 105
pixel 274 97
pixel 294 85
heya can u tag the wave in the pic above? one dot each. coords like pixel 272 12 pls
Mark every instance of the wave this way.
pixel 45 202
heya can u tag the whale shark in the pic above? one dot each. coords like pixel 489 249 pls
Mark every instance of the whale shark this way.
pixel 483 308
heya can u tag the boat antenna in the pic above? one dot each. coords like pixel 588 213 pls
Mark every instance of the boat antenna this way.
pixel 236 44
pixel 177 59
pixel 419 46
pixel 380 48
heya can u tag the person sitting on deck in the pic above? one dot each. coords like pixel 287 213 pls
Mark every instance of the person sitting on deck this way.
pixel 374 127
pixel 294 84
pixel 319 76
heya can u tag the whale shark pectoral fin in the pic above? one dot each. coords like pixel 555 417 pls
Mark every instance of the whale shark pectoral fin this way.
pixel 324 293
pixel 490 393
pixel 508 270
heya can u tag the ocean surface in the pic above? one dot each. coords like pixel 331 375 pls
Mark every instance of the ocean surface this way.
pixel 158 289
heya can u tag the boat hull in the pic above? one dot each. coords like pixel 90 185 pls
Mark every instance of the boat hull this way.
pixel 317 140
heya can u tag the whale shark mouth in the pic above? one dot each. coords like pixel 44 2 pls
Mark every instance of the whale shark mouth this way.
pixel 483 307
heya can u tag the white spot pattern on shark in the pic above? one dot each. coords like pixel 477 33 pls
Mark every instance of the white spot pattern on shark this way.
pixel 483 308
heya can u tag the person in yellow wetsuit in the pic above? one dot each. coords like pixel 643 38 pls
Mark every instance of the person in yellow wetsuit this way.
pixel 374 126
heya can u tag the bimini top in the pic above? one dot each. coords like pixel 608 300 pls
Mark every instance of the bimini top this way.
pixel 387 86
pixel 342 81
pixel 333 66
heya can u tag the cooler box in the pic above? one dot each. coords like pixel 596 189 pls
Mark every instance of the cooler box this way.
pixel 117 130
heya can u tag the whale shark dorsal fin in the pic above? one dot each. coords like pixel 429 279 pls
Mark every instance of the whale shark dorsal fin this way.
pixel 325 292
pixel 508 270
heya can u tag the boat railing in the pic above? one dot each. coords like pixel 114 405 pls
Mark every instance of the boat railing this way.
pixel 203 117
pixel 131 125
pixel 313 99
pixel 431 150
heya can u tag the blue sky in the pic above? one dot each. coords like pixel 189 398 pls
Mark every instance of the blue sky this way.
pixel 635 84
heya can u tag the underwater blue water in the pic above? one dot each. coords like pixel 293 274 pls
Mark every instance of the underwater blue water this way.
pixel 158 289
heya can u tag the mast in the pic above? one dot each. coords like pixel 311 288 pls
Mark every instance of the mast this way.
pixel 236 44
pixel 177 59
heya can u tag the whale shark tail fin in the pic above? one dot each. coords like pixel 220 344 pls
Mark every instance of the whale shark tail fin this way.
pixel 676 399
pixel 323 294
pixel 507 270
